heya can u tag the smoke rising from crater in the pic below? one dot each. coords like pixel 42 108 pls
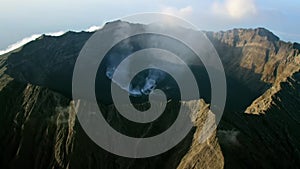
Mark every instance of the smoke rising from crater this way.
pixel 149 80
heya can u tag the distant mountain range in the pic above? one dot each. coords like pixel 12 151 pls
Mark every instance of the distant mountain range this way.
pixel 259 128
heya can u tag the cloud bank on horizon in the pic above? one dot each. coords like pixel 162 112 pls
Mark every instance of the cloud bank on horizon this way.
pixel 35 36
pixel 46 16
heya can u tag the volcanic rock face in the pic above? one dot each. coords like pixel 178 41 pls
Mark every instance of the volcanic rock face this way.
pixel 203 153
pixel 271 68
pixel 268 133
pixel 40 129
pixel 255 55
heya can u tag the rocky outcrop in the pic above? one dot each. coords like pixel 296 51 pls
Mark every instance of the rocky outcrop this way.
pixel 204 151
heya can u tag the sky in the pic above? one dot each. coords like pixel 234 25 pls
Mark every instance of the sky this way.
pixel 22 21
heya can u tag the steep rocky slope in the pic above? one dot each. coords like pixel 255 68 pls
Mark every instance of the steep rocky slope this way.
pixel 265 101
pixel 266 135
pixel 40 130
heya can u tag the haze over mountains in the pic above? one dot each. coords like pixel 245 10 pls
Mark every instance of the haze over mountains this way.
pixel 259 128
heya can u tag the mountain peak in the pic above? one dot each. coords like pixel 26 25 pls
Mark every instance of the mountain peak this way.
pixel 116 23
pixel 260 31
pixel 296 46
pixel 266 33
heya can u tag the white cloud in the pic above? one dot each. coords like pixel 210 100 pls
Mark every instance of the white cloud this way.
pixel 182 12
pixel 19 43
pixel 93 28
pixel 235 9
pixel 35 36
